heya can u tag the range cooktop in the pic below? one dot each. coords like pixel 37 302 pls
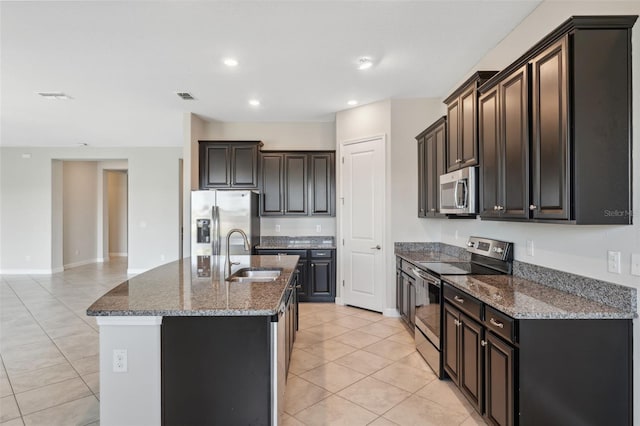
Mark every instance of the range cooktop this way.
pixel 458 268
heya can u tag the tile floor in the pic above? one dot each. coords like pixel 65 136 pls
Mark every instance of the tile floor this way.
pixel 349 366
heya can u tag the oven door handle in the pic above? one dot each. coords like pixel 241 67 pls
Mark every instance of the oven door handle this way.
pixel 428 278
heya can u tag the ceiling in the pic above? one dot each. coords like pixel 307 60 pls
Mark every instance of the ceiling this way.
pixel 123 62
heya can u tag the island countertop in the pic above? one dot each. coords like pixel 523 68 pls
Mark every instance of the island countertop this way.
pixel 181 288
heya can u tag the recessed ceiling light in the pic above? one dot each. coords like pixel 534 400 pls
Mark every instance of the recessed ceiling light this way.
pixel 186 96
pixel 254 102
pixel 364 63
pixel 352 102
pixel 230 62
pixel 54 95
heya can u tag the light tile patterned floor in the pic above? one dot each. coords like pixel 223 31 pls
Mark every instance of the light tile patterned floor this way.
pixel 355 367
pixel 349 366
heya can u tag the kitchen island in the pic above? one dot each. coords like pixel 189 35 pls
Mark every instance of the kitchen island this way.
pixel 179 344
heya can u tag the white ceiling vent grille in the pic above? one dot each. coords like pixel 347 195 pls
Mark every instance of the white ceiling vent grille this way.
pixel 185 96
pixel 54 95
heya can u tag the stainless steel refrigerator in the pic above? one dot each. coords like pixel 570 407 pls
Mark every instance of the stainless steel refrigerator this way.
pixel 215 213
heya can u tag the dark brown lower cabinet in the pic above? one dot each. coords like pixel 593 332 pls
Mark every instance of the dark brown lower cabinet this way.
pixel 499 370
pixel 464 360
pixel 531 372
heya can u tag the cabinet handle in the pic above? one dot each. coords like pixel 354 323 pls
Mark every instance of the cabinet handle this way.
pixel 496 323
pixel 458 161
pixel 282 254
pixel 495 208
pixel 483 343
pixel 421 210
pixel 458 299
pixel 533 207
pixel 298 286
pixel 500 208
pixel 433 210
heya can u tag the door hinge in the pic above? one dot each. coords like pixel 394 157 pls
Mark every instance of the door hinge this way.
pixel 342 198
pixel 343 241
pixel 342 283
pixel 342 160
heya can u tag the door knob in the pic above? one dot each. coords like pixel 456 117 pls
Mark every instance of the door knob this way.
pixel 376 247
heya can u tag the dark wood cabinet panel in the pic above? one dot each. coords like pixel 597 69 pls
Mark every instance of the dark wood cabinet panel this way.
pixel 462 122
pixel 451 342
pixel 504 141
pixel 321 272
pixel 322 184
pixel 550 147
pixel 228 164
pixel 499 381
pixel 431 164
pixel 471 367
pixel 297 183
pixel 272 197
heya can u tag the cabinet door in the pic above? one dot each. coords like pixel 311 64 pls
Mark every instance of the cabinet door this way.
pixel 467 136
pixel 471 361
pixel 303 281
pixel 214 165
pixel 244 166
pixel 321 277
pixel 550 143
pixel 295 184
pixel 489 138
pixel 453 113
pixel 423 172
pixel 450 352
pixel 322 186
pixel 439 166
pixel 499 399
pixel 399 291
pixel 272 174
pixel 514 112
pixel 405 311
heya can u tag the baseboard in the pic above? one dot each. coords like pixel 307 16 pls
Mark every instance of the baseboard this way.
pixel 339 301
pixel 118 254
pixel 136 271
pixel 26 271
pixel 391 312
pixel 80 263
pixel 57 270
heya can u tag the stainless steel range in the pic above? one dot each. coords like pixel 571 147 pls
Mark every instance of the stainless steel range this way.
pixel 488 257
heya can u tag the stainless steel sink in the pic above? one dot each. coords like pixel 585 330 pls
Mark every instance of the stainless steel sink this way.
pixel 255 274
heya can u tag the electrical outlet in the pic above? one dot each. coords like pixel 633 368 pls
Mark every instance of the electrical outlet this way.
pixel 613 261
pixel 635 263
pixel 318 228
pixel 277 228
pixel 530 248
pixel 119 360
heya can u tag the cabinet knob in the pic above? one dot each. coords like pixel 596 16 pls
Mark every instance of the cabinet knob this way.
pixel 533 207
pixel 500 208
pixel 458 161
pixel 495 208
pixel 483 342
pixel 421 210
pixel 458 299
pixel 457 323
pixel 433 210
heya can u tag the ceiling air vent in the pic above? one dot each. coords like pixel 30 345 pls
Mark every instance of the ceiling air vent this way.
pixel 185 96
pixel 54 95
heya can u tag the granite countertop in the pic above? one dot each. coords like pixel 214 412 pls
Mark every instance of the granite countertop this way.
pixel 177 289
pixel 524 299
pixel 301 243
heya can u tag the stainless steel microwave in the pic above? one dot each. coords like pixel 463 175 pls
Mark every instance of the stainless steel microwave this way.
pixel 459 192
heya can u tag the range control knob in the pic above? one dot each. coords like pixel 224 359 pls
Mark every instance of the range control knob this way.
pixel 470 244
pixel 498 250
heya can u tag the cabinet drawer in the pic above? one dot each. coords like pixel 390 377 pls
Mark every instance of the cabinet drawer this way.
pixel 461 300
pixel 501 324
pixel 321 253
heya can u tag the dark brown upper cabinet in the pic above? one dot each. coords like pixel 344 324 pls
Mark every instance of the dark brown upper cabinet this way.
pixel 580 127
pixel 431 164
pixel 297 183
pixel 503 117
pixel 228 164
pixel 462 122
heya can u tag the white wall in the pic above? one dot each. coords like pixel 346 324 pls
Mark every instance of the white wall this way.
pixel 57 237
pixel 27 214
pixel 79 213
pixel 117 196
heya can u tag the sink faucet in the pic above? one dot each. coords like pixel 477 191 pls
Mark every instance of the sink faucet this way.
pixel 247 247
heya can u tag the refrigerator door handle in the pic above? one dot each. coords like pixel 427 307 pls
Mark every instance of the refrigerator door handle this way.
pixel 215 238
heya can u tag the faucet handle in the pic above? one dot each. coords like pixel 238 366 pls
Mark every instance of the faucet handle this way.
pixel 233 263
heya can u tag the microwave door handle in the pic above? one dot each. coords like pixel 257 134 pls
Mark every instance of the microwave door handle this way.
pixel 455 194
pixel 465 194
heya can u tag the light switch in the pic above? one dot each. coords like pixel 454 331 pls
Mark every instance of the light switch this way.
pixel 635 264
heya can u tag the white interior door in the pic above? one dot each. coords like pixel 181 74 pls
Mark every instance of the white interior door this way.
pixel 363 180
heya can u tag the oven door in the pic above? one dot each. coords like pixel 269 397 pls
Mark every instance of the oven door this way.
pixel 428 306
